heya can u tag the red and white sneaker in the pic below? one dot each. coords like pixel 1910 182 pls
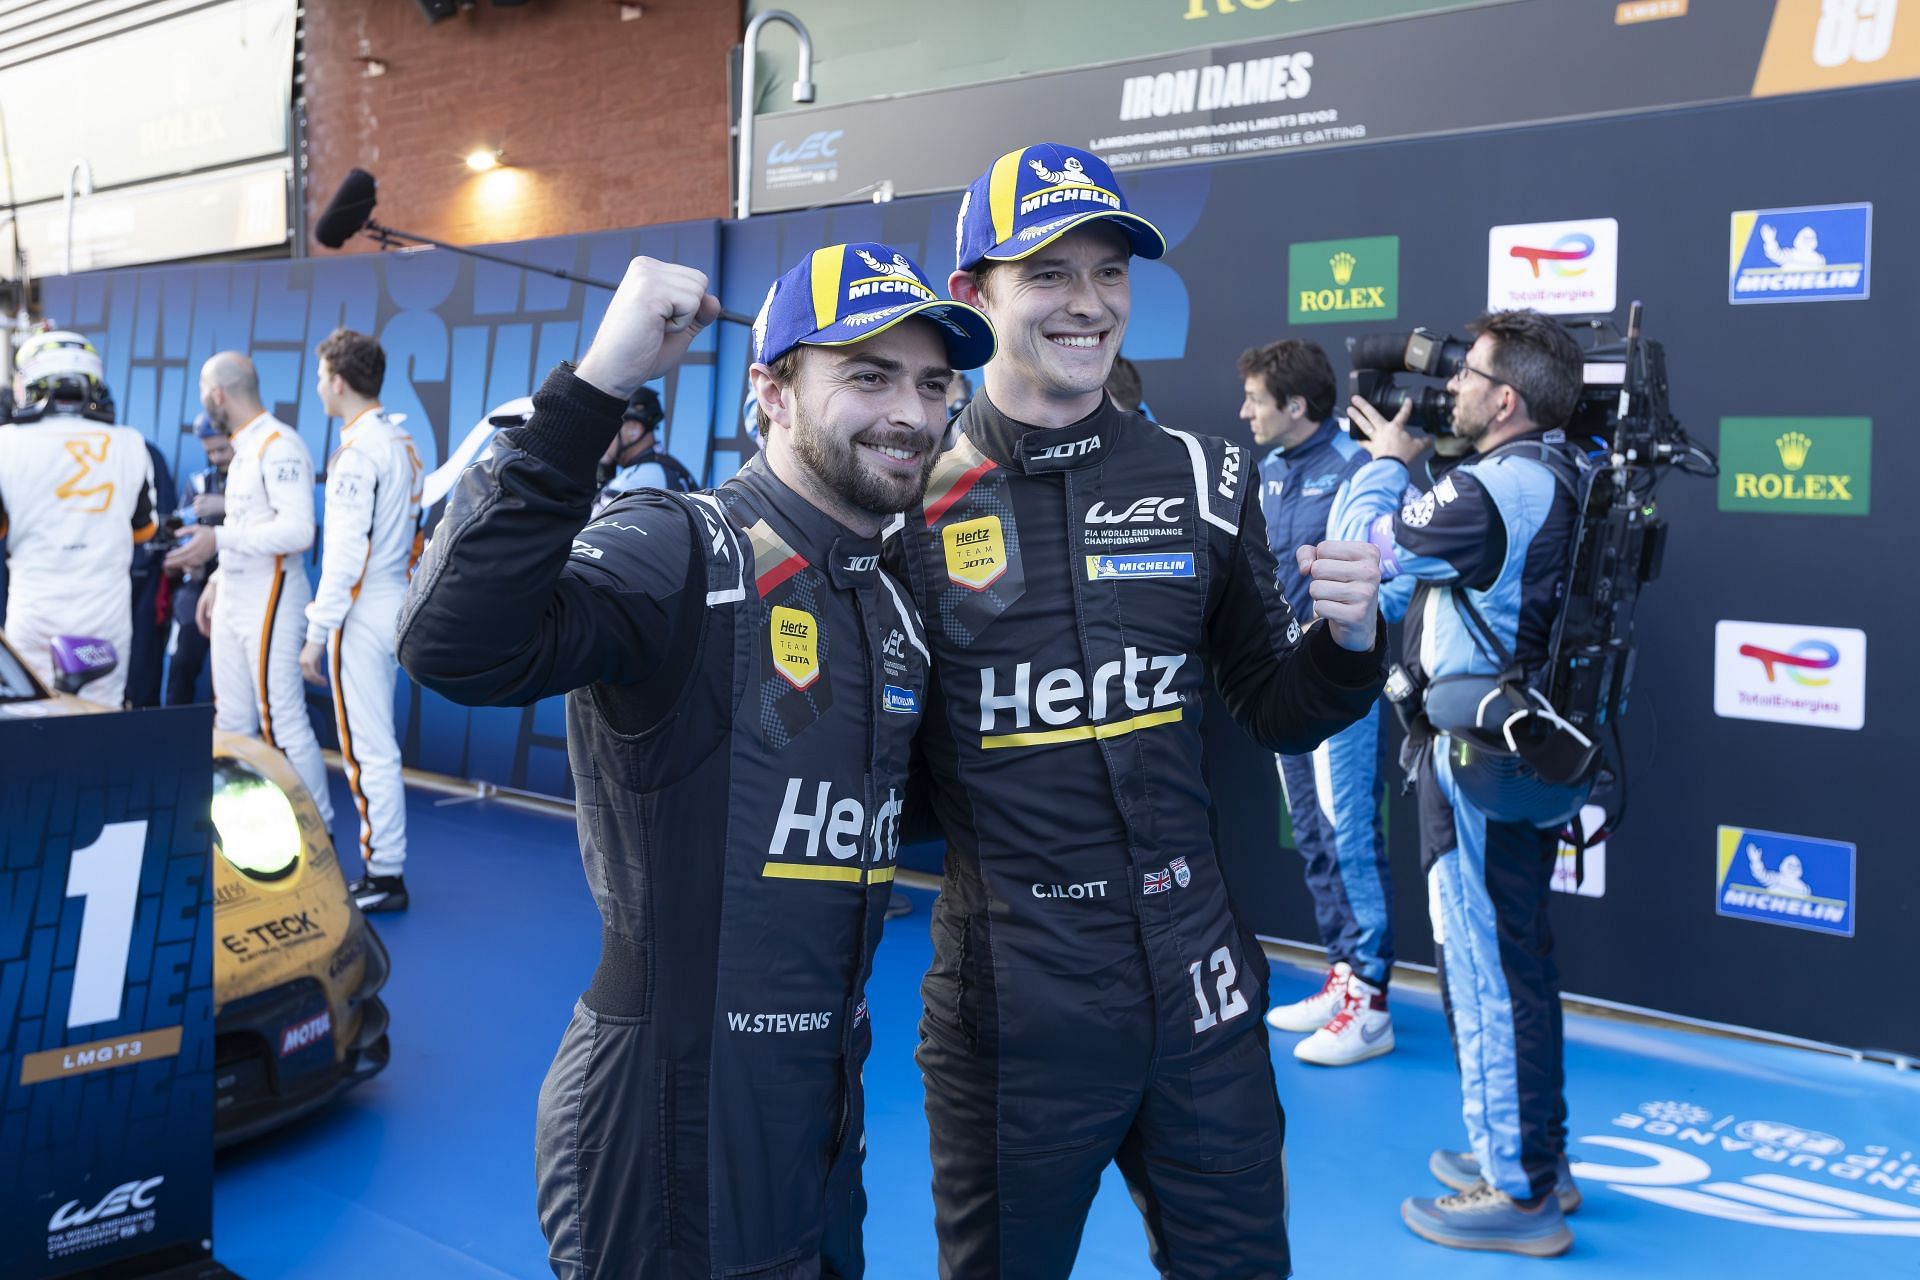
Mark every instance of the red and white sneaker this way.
pixel 1362 1029
pixel 1313 1012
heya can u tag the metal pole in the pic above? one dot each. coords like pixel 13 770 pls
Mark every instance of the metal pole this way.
pixel 83 171
pixel 802 92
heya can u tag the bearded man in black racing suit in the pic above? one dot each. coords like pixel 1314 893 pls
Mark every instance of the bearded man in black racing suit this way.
pixel 1095 996
pixel 743 686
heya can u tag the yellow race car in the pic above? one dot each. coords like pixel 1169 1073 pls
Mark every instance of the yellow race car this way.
pixel 297 969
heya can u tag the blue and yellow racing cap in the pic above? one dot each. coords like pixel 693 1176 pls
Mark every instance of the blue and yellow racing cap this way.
pixel 1031 197
pixel 846 293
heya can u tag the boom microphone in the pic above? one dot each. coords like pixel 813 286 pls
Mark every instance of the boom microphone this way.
pixel 348 212
pixel 351 211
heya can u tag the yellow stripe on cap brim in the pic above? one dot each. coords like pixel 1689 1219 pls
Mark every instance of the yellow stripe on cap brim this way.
pixel 1108 215
pixel 926 304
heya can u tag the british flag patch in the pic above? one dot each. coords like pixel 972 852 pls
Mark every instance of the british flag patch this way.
pixel 1156 881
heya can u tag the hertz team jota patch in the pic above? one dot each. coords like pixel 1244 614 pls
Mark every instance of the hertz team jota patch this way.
pixel 976 552
pixel 796 645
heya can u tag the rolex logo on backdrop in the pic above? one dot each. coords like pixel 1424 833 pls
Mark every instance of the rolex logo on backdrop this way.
pixel 1810 466
pixel 1343 281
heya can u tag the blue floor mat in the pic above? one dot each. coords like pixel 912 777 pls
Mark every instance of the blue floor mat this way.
pixel 1698 1155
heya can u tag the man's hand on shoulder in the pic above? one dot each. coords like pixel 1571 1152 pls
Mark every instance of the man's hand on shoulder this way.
pixel 657 312
pixel 1345 585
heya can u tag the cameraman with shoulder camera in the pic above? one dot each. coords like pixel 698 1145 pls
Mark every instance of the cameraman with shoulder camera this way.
pixel 1488 547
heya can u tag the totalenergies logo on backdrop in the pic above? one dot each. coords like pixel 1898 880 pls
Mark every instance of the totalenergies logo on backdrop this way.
pixel 1563 268
pixel 1798 662
pixel 1560 256
pixel 1825 670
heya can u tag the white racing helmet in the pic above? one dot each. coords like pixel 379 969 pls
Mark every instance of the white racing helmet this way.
pixel 60 371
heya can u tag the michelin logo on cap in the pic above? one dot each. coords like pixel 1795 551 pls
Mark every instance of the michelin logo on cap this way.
pixel 846 293
pixel 1031 197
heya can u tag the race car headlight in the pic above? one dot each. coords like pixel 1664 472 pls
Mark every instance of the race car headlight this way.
pixel 253 820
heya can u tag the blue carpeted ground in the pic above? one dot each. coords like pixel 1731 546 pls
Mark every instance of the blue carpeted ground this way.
pixel 1703 1156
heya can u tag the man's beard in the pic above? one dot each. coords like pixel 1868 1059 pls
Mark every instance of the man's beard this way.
pixel 1470 424
pixel 218 417
pixel 835 462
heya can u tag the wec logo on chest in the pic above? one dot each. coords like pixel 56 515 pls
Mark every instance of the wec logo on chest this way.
pixel 796 645
pixel 1140 511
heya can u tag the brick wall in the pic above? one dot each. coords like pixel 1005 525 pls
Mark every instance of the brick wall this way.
pixel 605 123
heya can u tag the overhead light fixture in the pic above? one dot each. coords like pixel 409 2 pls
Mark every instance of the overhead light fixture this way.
pixel 484 159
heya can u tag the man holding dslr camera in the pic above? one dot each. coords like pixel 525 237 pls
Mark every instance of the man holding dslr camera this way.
pixel 1489 548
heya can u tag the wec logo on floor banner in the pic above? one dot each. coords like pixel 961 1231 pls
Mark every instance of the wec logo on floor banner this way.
pixel 1775 878
pixel 1798 675
pixel 1800 1179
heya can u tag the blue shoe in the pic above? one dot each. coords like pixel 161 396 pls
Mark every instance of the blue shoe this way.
pixel 1483 1218
pixel 1459 1170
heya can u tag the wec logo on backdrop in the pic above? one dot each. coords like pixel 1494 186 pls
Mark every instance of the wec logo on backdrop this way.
pixel 124 1198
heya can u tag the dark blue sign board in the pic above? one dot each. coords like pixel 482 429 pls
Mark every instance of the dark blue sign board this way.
pixel 106 993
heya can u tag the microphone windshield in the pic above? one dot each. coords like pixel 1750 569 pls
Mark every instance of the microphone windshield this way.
pixel 351 207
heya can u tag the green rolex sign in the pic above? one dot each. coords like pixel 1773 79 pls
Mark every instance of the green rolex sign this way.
pixel 1805 466
pixel 1343 281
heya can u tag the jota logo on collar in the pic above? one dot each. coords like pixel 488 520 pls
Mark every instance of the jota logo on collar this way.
pixel 1071 449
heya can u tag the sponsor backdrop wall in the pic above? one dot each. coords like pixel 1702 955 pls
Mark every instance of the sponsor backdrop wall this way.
pixel 461 337
pixel 1763 861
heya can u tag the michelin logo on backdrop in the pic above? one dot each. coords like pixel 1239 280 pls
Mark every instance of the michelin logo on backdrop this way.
pixel 1814 253
pixel 1797 881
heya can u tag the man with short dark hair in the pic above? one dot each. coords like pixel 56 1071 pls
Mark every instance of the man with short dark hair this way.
pixel 1488 547
pixel 1094 997
pixel 187 647
pixel 744 681
pixel 369 541
pixel 1333 794
pixel 635 460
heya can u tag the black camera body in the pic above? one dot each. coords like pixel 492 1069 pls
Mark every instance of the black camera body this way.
pixel 1376 358
pixel 1626 440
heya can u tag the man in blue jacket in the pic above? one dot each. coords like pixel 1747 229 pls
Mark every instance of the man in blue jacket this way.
pixel 1488 547
pixel 1334 793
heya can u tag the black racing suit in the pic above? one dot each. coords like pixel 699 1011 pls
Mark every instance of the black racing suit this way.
pixel 1094 995
pixel 744 688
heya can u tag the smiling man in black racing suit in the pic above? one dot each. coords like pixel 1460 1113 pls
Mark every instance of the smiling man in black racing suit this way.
pixel 743 686
pixel 1094 995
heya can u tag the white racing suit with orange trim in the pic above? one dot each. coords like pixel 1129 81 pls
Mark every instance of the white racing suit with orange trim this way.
pixel 369 543
pixel 75 496
pixel 260 593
